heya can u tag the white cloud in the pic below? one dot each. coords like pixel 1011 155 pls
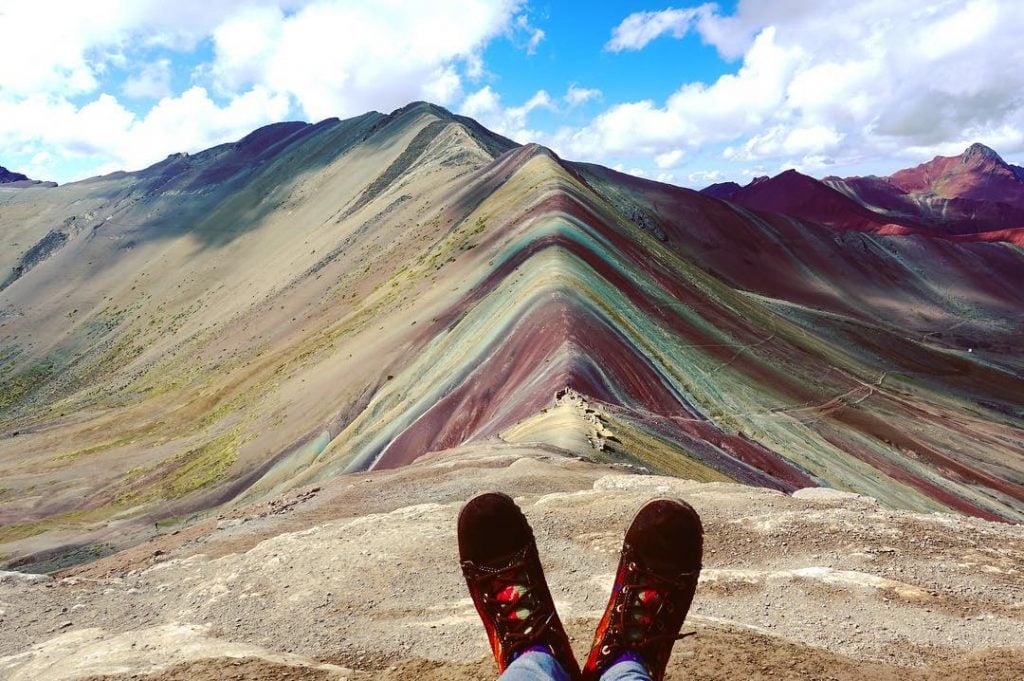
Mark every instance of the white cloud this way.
pixel 535 39
pixel 825 83
pixel 444 86
pixel 485 106
pixel 63 46
pixel 670 159
pixel 37 165
pixel 577 96
pixel 782 140
pixel 637 172
pixel 115 138
pixel 534 34
pixel 696 113
pixel 474 66
pixel 272 59
pixel 702 178
pixel 193 121
pixel 640 28
pixel 57 63
pixel 242 43
pixel 338 58
pixel 810 164
pixel 153 81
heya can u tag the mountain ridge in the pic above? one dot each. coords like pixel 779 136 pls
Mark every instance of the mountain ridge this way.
pixel 12 180
pixel 321 299
pixel 973 196
pixel 9 176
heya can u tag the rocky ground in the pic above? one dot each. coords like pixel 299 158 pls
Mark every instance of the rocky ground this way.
pixel 358 579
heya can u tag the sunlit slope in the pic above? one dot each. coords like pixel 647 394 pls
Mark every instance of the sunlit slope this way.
pixel 162 357
pixel 565 293
pixel 323 299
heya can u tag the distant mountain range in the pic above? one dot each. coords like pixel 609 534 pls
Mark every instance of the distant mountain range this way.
pixel 350 295
pixel 7 176
pixel 976 196
pixel 12 179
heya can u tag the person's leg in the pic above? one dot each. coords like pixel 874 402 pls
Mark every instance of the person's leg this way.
pixel 506 581
pixel 534 665
pixel 653 589
pixel 628 668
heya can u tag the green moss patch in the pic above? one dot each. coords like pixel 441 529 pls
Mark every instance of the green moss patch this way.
pixel 19 385
pixel 182 474
pixel 9 533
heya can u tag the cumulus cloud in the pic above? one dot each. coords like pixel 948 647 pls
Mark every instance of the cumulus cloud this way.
pixel 577 96
pixel 64 47
pixel 640 28
pixel 819 83
pixel 670 159
pixel 345 57
pixel 638 172
pixel 153 81
pixel 533 34
pixel 781 140
pixel 443 86
pixel 271 59
pixel 696 113
pixel 115 137
pixel 485 106
pixel 702 178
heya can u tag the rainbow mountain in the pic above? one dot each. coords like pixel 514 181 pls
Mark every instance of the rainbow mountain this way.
pixel 319 299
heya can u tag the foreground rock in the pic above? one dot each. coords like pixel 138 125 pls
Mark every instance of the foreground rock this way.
pixel 358 579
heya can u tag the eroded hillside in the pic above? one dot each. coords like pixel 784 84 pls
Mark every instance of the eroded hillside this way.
pixel 321 299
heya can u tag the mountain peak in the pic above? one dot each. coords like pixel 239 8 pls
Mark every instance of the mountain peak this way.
pixel 13 179
pixel 787 178
pixel 980 152
pixel 9 176
pixel 721 190
pixel 423 107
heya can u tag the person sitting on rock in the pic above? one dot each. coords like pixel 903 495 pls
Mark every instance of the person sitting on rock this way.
pixel 653 589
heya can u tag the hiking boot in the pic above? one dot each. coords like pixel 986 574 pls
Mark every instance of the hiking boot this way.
pixel 506 580
pixel 653 589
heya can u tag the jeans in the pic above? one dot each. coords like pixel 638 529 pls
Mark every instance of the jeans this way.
pixel 537 666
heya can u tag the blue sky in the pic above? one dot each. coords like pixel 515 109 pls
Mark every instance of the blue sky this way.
pixel 686 93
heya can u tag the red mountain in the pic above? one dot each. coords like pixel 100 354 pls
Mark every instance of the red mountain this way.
pixel 976 196
pixel 979 174
pixel 721 190
pixel 796 194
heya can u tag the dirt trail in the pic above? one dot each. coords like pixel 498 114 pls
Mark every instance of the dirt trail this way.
pixel 358 580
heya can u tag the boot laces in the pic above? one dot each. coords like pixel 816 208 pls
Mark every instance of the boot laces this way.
pixel 644 608
pixel 510 596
